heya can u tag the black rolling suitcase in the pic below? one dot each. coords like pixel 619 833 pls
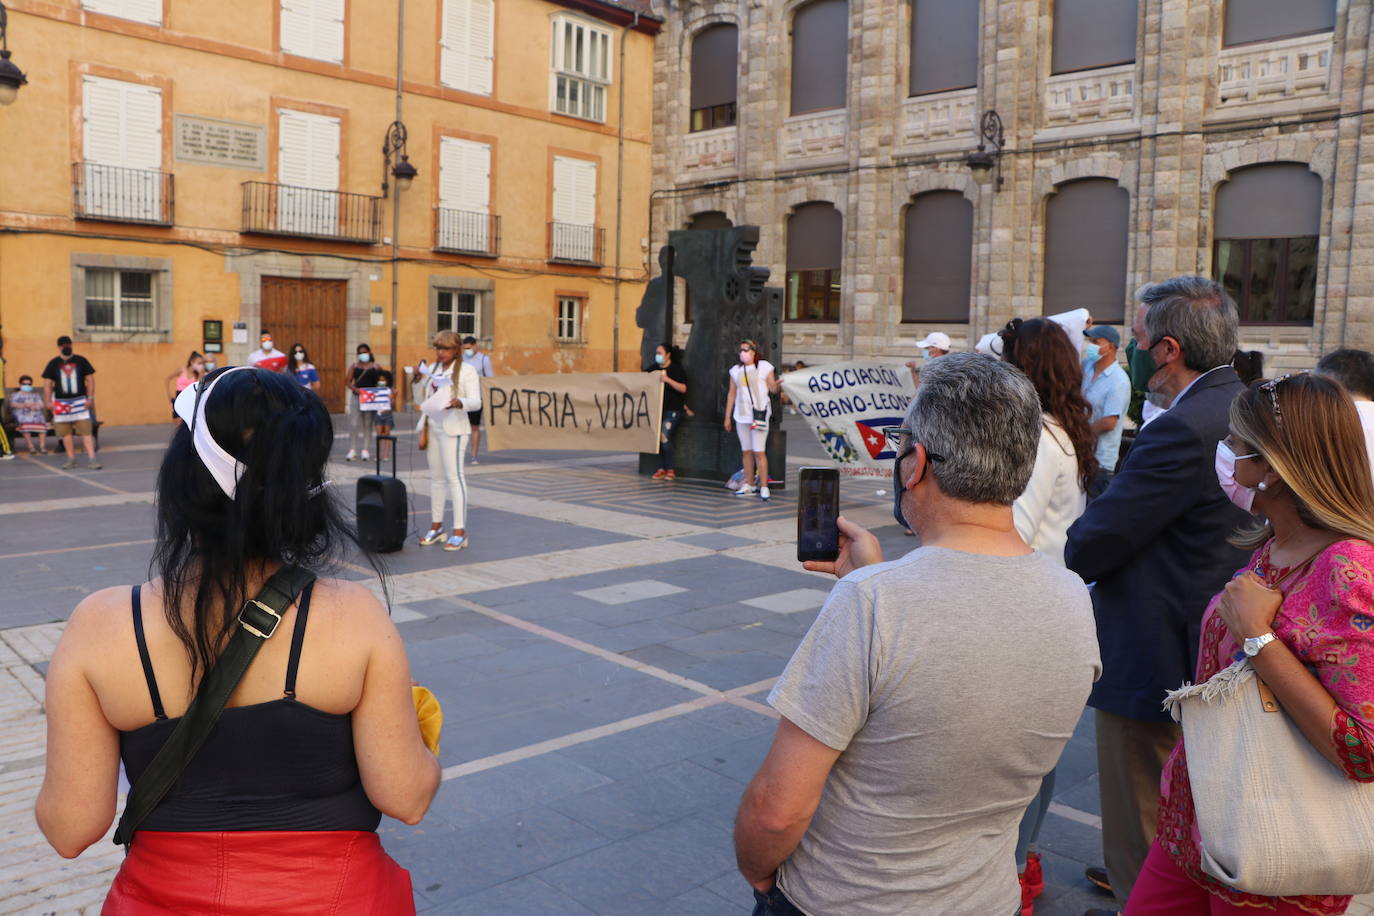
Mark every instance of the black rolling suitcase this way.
pixel 382 508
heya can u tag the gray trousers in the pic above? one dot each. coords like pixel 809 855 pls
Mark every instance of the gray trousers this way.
pixel 1130 759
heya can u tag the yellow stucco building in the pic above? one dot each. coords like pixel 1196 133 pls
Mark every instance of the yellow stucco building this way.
pixel 183 174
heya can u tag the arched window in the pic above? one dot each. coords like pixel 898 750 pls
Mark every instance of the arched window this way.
pixel 815 251
pixel 715 64
pixel 706 219
pixel 1093 33
pixel 937 262
pixel 1268 220
pixel 1265 20
pixel 820 56
pixel 944 44
pixel 1087 224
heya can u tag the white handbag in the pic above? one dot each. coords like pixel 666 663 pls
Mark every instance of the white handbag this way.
pixel 1276 817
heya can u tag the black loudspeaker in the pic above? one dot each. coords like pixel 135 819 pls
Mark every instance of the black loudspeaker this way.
pixel 382 510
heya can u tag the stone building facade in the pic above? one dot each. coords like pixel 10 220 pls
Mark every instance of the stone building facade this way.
pixel 1207 97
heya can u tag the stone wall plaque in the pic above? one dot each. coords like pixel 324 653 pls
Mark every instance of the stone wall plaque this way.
pixel 231 144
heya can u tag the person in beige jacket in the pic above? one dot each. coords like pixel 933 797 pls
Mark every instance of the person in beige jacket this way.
pixel 1057 494
pixel 451 390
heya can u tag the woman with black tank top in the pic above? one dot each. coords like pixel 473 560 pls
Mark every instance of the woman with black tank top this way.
pixel 278 811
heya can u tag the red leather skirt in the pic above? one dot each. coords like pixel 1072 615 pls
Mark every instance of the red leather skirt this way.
pixel 237 873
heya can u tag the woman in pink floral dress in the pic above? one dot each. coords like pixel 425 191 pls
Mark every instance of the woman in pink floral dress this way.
pixel 1303 608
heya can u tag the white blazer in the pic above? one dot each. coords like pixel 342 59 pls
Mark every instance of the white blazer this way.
pixel 1053 500
pixel 439 390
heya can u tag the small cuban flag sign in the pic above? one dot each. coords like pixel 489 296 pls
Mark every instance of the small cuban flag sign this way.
pixel 69 410
pixel 376 400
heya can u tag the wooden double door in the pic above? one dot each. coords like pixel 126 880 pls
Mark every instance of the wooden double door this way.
pixel 300 310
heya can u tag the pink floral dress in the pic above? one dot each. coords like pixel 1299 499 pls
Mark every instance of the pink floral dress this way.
pixel 1327 620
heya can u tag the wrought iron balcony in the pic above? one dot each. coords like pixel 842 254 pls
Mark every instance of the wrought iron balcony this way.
pixel 574 243
pixel 279 209
pixel 467 232
pixel 117 194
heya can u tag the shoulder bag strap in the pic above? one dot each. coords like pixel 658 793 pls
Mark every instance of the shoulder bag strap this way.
pixel 257 622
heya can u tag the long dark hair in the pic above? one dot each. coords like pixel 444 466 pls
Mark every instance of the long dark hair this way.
pixel 291 362
pixel 674 352
pixel 206 541
pixel 1042 350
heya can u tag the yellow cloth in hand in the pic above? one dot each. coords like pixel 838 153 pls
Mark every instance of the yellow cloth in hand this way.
pixel 430 715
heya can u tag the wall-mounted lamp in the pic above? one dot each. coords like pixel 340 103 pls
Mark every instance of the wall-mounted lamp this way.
pixel 982 162
pixel 11 77
pixel 404 172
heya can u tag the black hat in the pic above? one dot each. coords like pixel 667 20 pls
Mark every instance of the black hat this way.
pixel 64 341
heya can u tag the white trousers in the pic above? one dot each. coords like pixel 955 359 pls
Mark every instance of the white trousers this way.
pixel 359 425
pixel 445 455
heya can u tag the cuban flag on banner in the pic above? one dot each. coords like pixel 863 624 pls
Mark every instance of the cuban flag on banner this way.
pixel 374 399
pixel 69 410
pixel 873 437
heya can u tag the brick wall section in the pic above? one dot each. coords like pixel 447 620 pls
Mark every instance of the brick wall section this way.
pixel 1173 147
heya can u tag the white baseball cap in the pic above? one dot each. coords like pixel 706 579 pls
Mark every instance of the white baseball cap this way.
pixel 938 339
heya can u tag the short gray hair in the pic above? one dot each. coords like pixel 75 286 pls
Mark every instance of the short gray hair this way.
pixel 1196 312
pixel 983 416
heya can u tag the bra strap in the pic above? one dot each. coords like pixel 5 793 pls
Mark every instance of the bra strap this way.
pixel 297 640
pixel 144 657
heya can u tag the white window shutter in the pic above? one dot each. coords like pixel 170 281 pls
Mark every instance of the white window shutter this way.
pixel 564 189
pixel 293 149
pixel 143 127
pixel 585 193
pixel 481 45
pixel 297 33
pixel 329 30
pixel 453 63
pixel 102 111
pixel 149 11
pixel 464 175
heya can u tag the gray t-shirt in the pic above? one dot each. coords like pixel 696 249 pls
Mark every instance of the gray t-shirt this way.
pixel 951 682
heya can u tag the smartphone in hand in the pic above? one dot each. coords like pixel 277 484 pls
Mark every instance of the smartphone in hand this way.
pixel 818 511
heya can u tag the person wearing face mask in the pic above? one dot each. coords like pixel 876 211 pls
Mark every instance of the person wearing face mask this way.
pixel 267 356
pixel 481 363
pixel 933 692
pixel 300 366
pixel 1108 390
pixel 1155 545
pixel 748 408
pixel 1297 608
pixel 361 374
pixel 26 406
pixel 183 378
pixel 69 392
pixel 668 363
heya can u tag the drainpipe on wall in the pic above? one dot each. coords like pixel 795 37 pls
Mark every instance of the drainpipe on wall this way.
pixel 396 197
pixel 619 194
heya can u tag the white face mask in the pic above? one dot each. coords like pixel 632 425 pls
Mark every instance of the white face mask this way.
pixel 267 343
pixel 468 351
pixel 746 356
pixel 364 357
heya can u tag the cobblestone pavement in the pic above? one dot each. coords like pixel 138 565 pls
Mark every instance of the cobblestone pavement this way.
pixel 602 652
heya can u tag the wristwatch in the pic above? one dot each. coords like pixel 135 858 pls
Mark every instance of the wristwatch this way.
pixel 1254 644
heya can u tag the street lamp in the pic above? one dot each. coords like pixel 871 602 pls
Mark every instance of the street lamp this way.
pixel 981 162
pixel 403 171
pixel 11 77
pixel 395 145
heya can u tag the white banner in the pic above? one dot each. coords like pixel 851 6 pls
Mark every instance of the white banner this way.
pixel 848 405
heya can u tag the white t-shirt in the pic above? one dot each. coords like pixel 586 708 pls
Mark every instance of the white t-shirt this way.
pixel 272 360
pixel 753 395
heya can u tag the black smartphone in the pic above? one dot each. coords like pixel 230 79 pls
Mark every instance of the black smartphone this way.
pixel 818 511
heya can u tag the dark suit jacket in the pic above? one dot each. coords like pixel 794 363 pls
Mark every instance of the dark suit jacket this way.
pixel 1155 544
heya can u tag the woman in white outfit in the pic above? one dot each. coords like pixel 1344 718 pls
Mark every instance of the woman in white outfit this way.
pixel 749 410
pixel 451 390
pixel 1055 497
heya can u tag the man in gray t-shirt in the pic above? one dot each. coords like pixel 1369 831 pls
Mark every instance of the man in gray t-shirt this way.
pixel 933 692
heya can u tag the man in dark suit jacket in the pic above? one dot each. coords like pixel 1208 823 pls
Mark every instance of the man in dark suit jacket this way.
pixel 1155 544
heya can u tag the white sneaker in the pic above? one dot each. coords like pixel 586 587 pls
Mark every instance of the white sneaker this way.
pixel 745 490
pixel 366 456
pixel 763 493
pixel 351 455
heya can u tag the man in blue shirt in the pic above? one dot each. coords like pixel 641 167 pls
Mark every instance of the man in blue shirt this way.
pixel 1108 389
